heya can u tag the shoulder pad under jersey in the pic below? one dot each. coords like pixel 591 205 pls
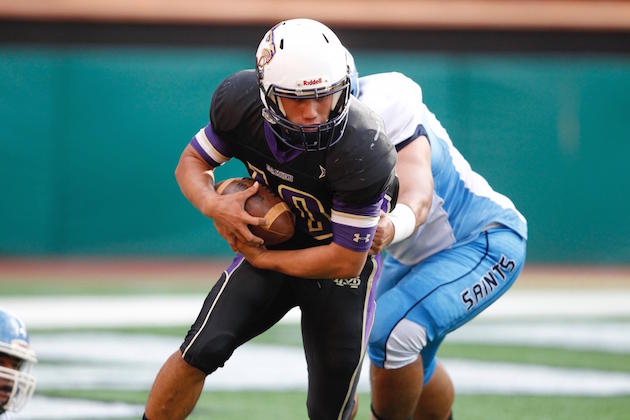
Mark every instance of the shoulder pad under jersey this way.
pixel 361 165
pixel 234 97
pixel 397 99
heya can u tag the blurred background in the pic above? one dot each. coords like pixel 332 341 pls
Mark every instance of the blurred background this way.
pixel 98 99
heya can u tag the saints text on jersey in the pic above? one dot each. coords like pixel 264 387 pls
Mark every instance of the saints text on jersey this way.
pixel 488 282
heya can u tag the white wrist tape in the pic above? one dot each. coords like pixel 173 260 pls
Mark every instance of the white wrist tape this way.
pixel 404 221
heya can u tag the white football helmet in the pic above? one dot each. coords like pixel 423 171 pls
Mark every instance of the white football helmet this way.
pixel 303 59
pixel 16 360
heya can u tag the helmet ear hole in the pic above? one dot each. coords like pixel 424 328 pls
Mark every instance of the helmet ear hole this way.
pixel 282 44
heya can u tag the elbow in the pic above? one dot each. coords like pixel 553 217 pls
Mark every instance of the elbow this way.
pixel 425 209
pixel 422 213
pixel 178 171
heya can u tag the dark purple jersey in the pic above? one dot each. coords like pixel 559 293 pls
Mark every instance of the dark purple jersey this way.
pixel 335 194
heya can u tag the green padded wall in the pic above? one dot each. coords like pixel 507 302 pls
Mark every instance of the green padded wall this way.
pixel 90 138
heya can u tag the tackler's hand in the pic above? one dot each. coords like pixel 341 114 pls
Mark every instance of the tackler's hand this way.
pixel 384 234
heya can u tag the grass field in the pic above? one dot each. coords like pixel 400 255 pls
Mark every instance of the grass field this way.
pixel 569 365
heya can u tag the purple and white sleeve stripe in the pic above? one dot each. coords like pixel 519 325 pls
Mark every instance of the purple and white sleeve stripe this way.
pixel 354 227
pixel 210 146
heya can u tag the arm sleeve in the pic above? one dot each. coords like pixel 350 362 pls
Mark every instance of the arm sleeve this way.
pixel 353 227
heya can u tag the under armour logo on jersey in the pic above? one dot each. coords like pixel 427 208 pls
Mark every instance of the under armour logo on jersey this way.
pixel 358 237
pixel 323 172
pixel 353 283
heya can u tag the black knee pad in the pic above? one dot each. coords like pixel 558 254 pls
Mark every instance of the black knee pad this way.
pixel 209 353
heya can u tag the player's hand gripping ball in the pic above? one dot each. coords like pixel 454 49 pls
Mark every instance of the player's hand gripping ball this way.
pixel 280 220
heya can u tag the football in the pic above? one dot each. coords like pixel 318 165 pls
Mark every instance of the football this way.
pixel 265 203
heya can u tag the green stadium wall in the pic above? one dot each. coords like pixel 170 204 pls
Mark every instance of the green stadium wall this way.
pixel 90 138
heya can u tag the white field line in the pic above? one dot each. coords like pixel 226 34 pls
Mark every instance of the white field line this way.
pixel 579 311
pixel 607 336
pixel 97 361
pixel 519 304
pixel 41 407
pixel 164 310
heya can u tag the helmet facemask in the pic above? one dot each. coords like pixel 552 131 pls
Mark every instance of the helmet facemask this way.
pixel 21 384
pixel 308 137
pixel 16 381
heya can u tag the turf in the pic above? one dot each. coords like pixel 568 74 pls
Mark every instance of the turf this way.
pixel 557 357
pixel 521 407
pixel 103 286
pixel 291 405
pixel 289 335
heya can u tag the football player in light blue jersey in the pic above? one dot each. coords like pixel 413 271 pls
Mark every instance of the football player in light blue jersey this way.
pixel 454 247
pixel 16 359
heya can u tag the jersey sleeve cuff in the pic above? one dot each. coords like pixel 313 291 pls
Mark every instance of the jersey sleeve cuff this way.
pixel 356 239
pixel 210 146
pixel 420 131
pixel 354 227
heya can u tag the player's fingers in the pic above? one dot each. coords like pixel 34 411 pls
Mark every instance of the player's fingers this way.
pixel 382 221
pixel 374 251
pixel 255 221
pixel 251 190
pixel 245 235
pixel 240 235
pixel 377 246
pixel 255 240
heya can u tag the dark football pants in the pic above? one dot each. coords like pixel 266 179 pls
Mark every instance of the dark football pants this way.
pixel 336 318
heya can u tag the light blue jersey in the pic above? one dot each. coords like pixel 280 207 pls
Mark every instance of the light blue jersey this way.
pixel 465 256
pixel 463 203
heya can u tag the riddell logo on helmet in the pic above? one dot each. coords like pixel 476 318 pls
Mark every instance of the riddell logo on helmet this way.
pixel 312 82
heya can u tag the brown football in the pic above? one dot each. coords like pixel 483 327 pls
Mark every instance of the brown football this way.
pixel 265 203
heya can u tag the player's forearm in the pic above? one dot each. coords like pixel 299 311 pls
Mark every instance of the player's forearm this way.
pixel 195 180
pixel 415 178
pixel 419 198
pixel 327 261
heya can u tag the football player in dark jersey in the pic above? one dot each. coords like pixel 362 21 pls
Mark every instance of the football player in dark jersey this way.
pixel 295 126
